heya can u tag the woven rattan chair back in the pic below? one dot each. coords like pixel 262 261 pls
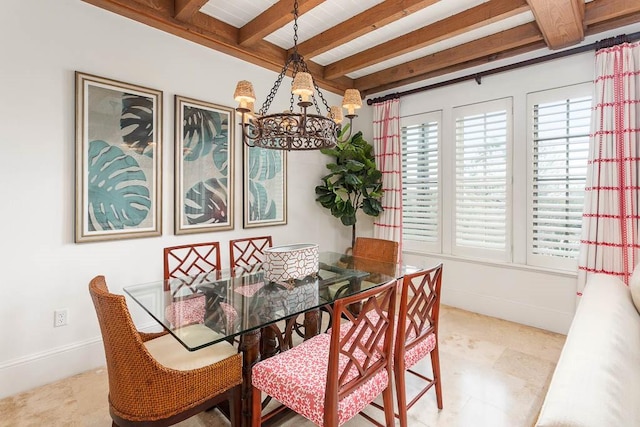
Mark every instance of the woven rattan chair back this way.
pixel 248 252
pixel 144 392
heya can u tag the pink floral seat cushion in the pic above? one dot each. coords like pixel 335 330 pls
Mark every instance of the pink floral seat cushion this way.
pixel 187 311
pixel 297 378
pixel 411 356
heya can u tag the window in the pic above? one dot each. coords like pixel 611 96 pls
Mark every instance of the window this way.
pixel 559 145
pixel 420 178
pixel 482 180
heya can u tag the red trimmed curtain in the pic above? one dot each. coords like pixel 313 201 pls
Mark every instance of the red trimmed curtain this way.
pixel 388 154
pixel 610 221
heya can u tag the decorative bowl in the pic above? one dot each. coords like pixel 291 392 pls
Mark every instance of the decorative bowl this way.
pixel 290 262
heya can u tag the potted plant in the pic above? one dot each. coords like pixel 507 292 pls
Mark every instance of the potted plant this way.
pixel 354 182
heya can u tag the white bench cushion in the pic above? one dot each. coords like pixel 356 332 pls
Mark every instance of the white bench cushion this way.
pixel 597 380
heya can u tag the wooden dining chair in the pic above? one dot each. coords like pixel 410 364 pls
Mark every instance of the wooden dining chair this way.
pixel 244 253
pixel 417 335
pixel 330 378
pixel 153 379
pixel 186 262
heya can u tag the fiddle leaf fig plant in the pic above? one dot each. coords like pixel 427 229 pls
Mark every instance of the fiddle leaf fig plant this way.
pixel 354 182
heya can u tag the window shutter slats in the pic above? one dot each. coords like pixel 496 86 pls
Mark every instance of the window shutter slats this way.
pixel 420 208
pixel 481 181
pixel 560 150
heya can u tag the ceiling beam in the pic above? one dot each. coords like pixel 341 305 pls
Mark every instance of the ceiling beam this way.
pixel 371 19
pixel 603 10
pixel 560 21
pixel 458 67
pixel 600 15
pixel 184 9
pixel 486 46
pixel 277 16
pixel 460 23
pixel 213 33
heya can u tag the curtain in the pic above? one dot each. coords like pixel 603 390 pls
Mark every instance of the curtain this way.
pixel 388 154
pixel 610 220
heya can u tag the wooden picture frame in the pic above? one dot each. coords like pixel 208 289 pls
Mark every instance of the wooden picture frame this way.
pixel 118 191
pixel 204 166
pixel 264 187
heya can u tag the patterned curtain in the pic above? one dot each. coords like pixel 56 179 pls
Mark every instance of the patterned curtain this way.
pixel 610 220
pixel 388 154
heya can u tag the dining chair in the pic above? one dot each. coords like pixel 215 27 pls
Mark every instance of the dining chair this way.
pixel 370 254
pixel 244 253
pixel 417 335
pixel 329 379
pixel 191 260
pixel 153 379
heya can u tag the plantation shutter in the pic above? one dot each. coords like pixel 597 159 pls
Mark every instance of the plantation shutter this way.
pixel 482 189
pixel 560 146
pixel 420 182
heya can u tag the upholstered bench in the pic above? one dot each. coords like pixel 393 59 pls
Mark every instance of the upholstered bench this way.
pixel 597 380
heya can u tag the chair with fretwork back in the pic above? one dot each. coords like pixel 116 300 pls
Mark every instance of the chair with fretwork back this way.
pixel 186 262
pixel 244 253
pixel 417 335
pixel 330 378
pixel 186 266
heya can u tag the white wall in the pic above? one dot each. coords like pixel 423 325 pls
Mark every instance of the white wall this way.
pixel 522 294
pixel 43 43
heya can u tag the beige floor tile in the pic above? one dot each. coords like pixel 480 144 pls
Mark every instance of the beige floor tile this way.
pixel 494 373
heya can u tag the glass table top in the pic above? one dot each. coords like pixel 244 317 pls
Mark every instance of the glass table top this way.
pixel 202 310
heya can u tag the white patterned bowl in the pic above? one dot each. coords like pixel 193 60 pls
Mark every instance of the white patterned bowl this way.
pixel 290 262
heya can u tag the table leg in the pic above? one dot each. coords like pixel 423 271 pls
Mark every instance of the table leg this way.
pixel 250 348
pixel 311 323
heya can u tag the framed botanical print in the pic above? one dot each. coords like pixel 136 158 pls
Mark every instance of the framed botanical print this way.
pixel 118 160
pixel 204 166
pixel 265 187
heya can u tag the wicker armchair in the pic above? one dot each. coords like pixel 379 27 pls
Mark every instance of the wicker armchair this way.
pixel 153 380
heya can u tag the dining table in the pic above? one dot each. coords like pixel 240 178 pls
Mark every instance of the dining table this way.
pixel 236 305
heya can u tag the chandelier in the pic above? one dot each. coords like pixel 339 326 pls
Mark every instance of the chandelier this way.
pixel 291 129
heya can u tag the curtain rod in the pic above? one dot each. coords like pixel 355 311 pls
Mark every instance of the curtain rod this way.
pixel 601 44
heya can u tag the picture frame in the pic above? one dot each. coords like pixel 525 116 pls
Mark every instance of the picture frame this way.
pixel 264 187
pixel 118 149
pixel 204 166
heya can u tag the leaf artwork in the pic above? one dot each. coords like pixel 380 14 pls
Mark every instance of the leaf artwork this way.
pixel 118 196
pixel 260 206
pixel 204 130
pixel 264 165
pixel 206 202
pixel 136 123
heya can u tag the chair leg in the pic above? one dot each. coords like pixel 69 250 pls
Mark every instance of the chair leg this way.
pixel 256 407
pixel 387 400
pixel 401 393
pixel 435 365
pixel 235 406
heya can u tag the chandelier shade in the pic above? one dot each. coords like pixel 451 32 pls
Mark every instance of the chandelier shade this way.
pixel 295 128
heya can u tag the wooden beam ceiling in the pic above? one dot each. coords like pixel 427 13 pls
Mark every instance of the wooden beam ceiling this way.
pixel 468 20
pixel 561 21
pixel 371 19
pixel 277 16
pixel 558 23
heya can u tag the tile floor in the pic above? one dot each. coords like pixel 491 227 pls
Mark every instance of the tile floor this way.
pixel 495 374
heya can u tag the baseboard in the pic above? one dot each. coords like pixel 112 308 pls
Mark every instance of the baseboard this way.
pixel 42 368
pixel 514 311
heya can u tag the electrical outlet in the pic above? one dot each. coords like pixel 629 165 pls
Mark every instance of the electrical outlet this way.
pixel 60 317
